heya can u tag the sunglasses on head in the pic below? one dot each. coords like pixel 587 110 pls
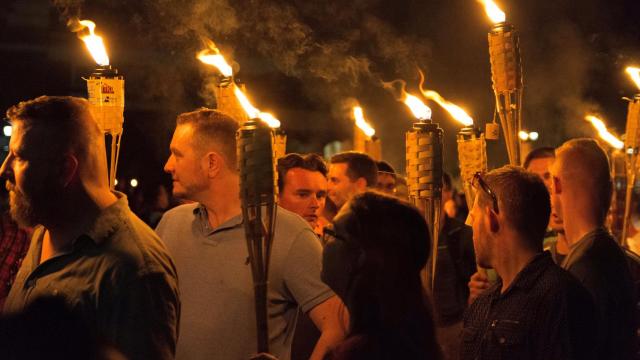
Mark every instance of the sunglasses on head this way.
pixel 478 182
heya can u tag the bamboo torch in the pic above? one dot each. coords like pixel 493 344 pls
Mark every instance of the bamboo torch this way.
pixel 105 88
pixel 506 75
pixel 364 139
pixel 631 145
pixel 257 146
pixel 424 173
pixel 618 174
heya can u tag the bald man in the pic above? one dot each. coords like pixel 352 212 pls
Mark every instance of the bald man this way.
pixel 581 187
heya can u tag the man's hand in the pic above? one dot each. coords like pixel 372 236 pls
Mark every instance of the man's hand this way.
pixel 331 318
pixel 477 285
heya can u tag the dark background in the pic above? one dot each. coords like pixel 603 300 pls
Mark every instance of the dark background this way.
pixel 304 61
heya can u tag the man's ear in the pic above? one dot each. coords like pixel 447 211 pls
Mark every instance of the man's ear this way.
pixel 494 224
pixel 214 163
pixel 69 169
pixel 361 184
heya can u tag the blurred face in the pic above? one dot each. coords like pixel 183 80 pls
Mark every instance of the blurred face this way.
pixel 540 167
pixel 556 222
pixel 341 188
pixel 187 166
pixel 304 193
pixel 386 183
pixel 481 233
pixel 32 177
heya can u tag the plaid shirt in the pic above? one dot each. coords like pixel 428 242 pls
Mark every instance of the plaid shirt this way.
pixel 14 243
pixel 544 314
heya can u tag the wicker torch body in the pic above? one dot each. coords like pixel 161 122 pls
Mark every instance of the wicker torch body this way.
pixel 257 193
pixel 472 157
pixel 424 179
pixel 105 88
pixel 506 75
pixel 631 146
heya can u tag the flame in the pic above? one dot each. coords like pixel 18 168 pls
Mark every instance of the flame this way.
pixel 635 75
pixel 254 113
pixel 94 43
pixel 418 108
pixel 361 122
pixel 212 56
pixel 454 110
pixel 493 11
pixel 604 133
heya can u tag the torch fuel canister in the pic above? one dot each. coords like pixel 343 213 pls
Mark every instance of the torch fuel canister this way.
pixel 105 88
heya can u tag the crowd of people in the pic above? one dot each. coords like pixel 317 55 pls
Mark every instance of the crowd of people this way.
pixel 533 274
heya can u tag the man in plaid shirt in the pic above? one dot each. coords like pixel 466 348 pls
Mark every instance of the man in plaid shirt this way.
pixel 14 243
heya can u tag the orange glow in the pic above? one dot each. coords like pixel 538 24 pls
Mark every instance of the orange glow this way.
pixel 635 75
pixel 94 43
pixel 361 123
pixel 454 110
pixel 418 108
pixel 493 11
pixel 254 113
pixel 604 133
pixel 212 56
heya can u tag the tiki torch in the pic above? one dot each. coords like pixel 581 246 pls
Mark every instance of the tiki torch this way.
pixel 618 174
pixel 631 146
pixel 105 88
pixel 364 139
pixel 424 172
pixel 506 75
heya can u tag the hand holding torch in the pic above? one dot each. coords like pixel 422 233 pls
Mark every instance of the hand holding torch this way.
pixel 424 173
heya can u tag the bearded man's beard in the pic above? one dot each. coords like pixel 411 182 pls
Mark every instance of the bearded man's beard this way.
pixel 33 209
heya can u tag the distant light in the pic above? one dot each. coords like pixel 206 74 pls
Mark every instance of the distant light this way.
pixel 115 182
pixel 6 130
pixel 533 136
pixel 133 183
pixel 523 135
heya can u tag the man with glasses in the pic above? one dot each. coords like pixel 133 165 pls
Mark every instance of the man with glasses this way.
pixel 581 187
pixel 536 310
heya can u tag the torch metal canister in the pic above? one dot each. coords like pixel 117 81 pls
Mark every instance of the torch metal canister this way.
pixel 257 193
pixel 472 156
pixel 619 176
pixel 506 74
pixel 227 101
pixel 105 88
pixel 631 147
pixel 424 180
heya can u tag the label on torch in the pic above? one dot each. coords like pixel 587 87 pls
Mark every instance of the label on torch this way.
pixel 106 95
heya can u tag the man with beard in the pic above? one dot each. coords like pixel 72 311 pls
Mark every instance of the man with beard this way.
pixel 88 247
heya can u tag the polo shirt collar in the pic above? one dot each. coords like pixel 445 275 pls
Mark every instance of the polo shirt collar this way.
pixel 200 213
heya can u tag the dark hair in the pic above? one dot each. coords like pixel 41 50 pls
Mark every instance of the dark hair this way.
pixel 388 307
pixel 359 165
pixel 213 130
pixel 539 153
pixel 384 166
pixel 311 162
pixel 523 199
pixel 67 120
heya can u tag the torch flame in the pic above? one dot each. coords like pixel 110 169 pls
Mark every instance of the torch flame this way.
pixel 254 113
pixel 94 43
pixel 418 108
pixel 212 56
pixel 635 75
pixel 361 122
pixel 493 11
pixel 604 133
pixel 454 110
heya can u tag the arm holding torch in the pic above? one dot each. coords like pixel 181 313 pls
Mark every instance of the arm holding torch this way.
pixel 424 179
pixel 257 193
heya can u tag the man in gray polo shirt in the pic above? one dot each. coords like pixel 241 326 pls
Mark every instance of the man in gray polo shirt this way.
pixel 208 243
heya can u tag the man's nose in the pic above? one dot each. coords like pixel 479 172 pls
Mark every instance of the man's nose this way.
pixel 168 166
pixel 5 170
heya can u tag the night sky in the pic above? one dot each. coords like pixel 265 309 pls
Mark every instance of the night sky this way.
pixel 305 61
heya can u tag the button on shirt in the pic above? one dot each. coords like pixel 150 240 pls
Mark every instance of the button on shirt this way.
pixel 544 314
pixel 118 277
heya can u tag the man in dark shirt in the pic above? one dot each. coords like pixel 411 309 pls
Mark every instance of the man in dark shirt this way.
pixel 582 188
pixel 536 310
pixel 88 248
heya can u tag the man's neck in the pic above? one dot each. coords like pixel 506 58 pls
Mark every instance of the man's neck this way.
pixel 577 227
pixel 511 261
pixel 222 202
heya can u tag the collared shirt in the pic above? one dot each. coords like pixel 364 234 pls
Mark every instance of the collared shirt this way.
pixel 599 263
pixel 544 314
pixel 118 277
pixel 14 243
pixel 216 286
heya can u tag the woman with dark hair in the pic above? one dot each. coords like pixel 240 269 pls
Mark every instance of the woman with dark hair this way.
pixel 374 253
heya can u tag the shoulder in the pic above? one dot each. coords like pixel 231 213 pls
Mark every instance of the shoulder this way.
pixel 179 213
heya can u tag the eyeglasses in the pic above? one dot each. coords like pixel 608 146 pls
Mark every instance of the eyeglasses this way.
pixel 478 181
